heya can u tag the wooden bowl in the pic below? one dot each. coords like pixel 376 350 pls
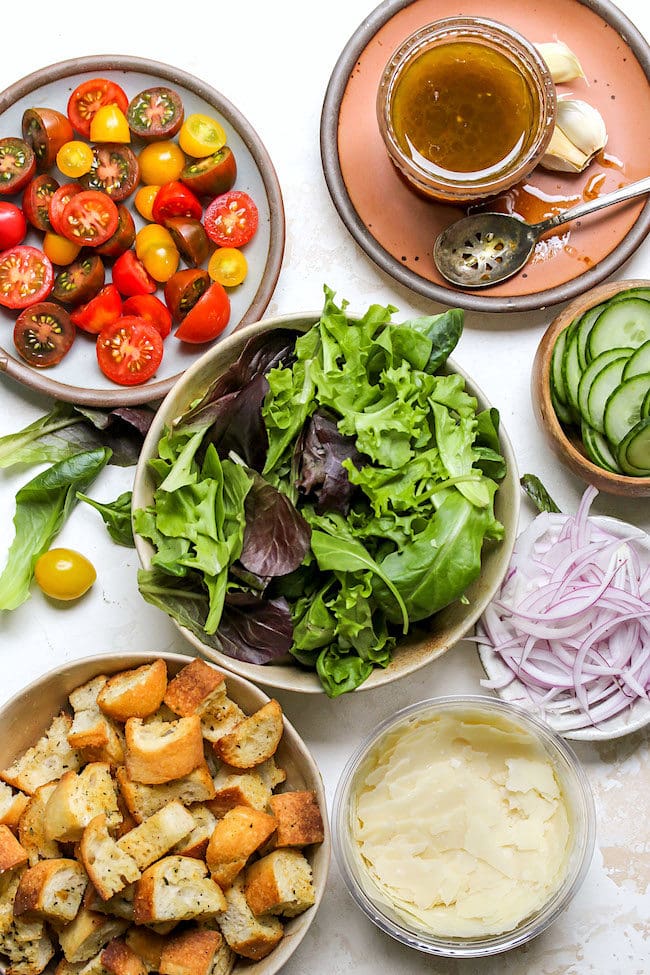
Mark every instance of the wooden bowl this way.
pixel 25 717
pixel 565 445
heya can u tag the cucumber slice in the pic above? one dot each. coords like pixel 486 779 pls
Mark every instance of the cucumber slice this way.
pixel 597 449
pixel 557 382
pixel 645 406
pixel 623 324
pixel 602 387
pixel 583 328
pixel 633 293
pixel 590 373
pixel 562 411
pixel 571 371
pixel 623 408
pixel 634 450
pixel 639 361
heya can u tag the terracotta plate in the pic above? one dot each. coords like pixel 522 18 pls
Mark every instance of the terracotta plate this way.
pixel 397 228
pixel 77 377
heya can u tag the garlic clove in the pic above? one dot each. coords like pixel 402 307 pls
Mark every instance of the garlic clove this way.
pixel 562 156
pixel 578 135
pixel 561 61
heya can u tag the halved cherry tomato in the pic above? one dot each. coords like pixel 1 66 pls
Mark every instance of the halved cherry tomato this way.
pixel 143 201
pixel 58 202
pixel 155 113
pixel 157 251
pixel 26 276
pixel 200 135
pixel 190 238
pixel 151 308
pixel 228 266
pixel 17 165
pixel 45 130
pixel 36 201
pixel 59 249
pixel 160 163
pixel 80 282
pixel 175 200
pixel 43 333
pixel 64 574
pixel 74 158
pixel 213 175
pixel 208 318
pixel 109 124
pixel 13 225
pixel 184 289
pixel 130 350
pixel 102 310
pixel 124 236
pixel 114 171
pixel 88 97
pixel 231 219
pixel 130 276
pixel 89 218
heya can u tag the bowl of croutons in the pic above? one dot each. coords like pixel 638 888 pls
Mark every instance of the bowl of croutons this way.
pixel 156 815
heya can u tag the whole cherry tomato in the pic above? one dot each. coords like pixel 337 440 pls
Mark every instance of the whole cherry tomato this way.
pixel 13 225
pixel 157 251
pixel 151 308
pixel 161 162
pixel 130 276
pixel 104 309
pixel 63 573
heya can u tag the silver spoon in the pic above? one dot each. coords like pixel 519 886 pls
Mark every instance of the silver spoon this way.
pixel 485 248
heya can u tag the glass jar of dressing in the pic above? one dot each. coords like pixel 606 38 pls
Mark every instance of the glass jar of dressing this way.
pixel 466 108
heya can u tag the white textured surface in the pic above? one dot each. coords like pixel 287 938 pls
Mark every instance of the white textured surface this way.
pixel 273 60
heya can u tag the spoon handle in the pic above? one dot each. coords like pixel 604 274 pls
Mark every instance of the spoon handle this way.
pixel 582 209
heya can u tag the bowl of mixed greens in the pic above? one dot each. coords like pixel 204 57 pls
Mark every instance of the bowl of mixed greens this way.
pixel 326 502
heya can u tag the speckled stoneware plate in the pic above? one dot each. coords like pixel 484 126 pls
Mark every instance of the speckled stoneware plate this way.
pixel 397 228
pixel 77 377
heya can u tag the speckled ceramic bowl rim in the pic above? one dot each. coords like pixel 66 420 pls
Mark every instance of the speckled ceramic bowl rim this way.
pixel 129 396
pixel 430 289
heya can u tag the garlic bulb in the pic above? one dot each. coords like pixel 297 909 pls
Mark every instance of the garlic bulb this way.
pixel 561 61
pixel 578 135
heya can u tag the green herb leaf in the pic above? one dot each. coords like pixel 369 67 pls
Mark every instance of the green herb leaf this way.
pixel 537 493
pixel 116 515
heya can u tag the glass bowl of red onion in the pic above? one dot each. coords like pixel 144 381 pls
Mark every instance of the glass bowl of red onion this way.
pixel 567 637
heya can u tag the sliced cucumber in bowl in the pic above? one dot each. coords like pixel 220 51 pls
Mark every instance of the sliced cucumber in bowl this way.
pixel 634 450
pixel 623 407
pixel 624 323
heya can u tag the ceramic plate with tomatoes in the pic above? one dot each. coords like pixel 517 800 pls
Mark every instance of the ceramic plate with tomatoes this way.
pixel 97 211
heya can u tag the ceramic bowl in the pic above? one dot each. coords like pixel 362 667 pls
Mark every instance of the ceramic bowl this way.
pixel 25 717
pixel 563 440
pixel 425 642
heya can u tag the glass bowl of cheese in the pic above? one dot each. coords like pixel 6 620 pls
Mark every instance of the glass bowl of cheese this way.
pixel 463 826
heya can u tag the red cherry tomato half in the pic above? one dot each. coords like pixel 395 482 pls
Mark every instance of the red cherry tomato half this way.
pixel 13 225
pixel 26 276
pixel 207 318
pixel 102 310
pixel 130 276
pixel 58 202
pixel 90 218
pixel 36 201
pixel 130 350
pixel 151 308
pixel 231 219
pixel 17 165
pixel 89 97
pixel 175 200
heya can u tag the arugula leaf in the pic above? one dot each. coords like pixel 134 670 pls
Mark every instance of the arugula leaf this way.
pixel 42 506
pixel 116 515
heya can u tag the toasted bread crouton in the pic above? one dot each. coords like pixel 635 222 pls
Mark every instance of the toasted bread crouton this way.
pixel 27 946
pixel 193 687
pixel 8 886
pixel 253 740
pixel 176 889
pixel 12 854
pixel 85 696
pixel 77 799
pixel 195 843
pixel 245 787
pixel 241 831
pixel 110 868
pixel 45 761
pixel 120 904
pixel 157 835
pixel 143 801
pixel 119 959
pixel 279 883
pixel 192 952
pixel 147 945
pixel 31 828
pixel 88 933
pixel 134 693
pixel 12 805
pixel 298 818
pixel 52 890
pixel 248 935
pixel 96 737
pixel 162 751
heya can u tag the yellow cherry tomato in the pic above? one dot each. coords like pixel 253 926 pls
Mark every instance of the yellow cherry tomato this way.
pixel 201 135
pixel 161 162
pixel 228 266
pixel 63 573
pixel 143 200
pixel 153 235
pixel 74 158
pixel 156 249
pixel 109 124
pixel 59 249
